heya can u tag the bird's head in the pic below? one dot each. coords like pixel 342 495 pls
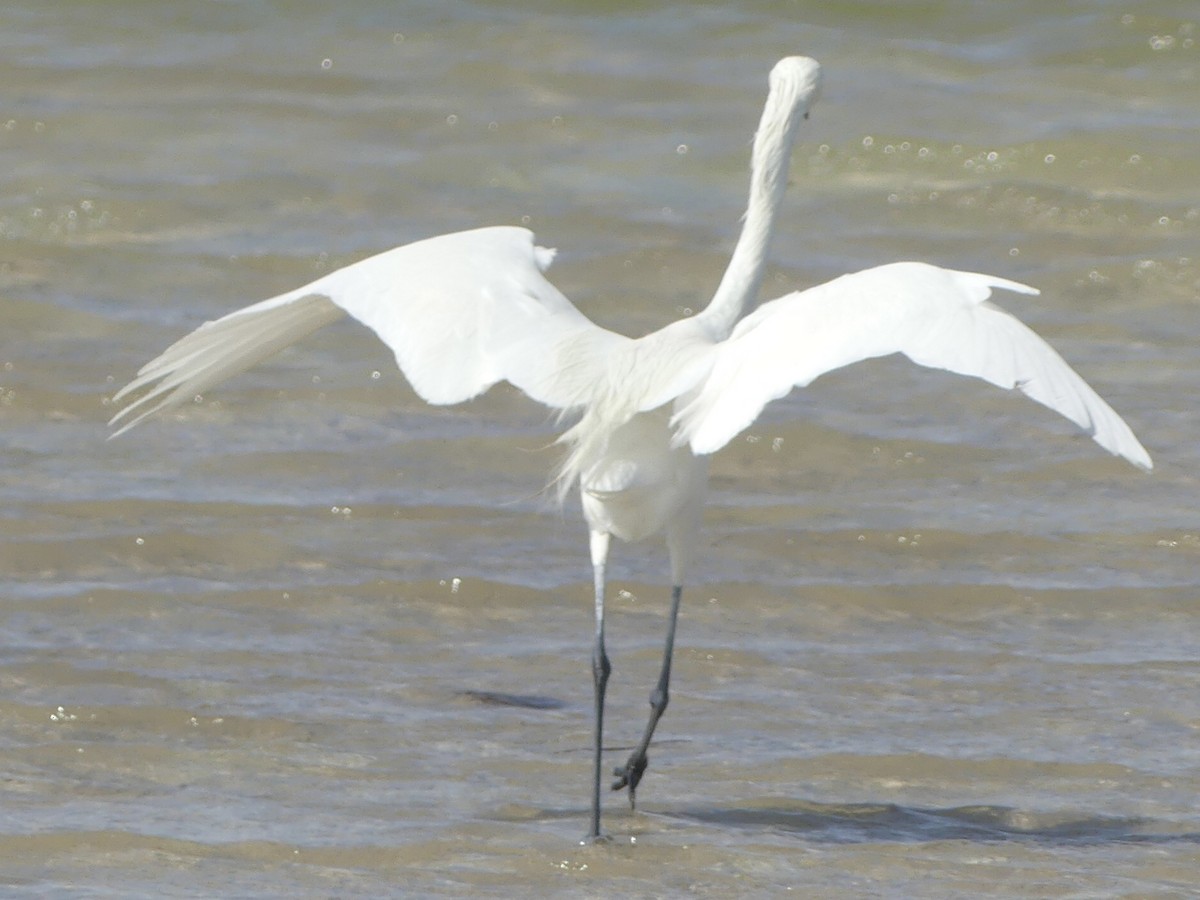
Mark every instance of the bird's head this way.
pixel 795 84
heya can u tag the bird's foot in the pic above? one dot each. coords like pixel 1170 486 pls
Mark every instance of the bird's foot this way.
pixel 630 774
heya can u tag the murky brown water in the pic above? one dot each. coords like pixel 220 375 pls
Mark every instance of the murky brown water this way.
pixel 939 645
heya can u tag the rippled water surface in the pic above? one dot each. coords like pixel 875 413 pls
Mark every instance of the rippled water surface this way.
pixel 310 637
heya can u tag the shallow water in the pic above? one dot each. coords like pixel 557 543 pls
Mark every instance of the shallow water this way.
pixel 311 637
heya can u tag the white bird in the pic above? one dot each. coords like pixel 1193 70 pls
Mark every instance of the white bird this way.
pixel 464 311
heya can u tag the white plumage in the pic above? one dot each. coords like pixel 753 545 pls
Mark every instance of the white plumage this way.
pixel 464 311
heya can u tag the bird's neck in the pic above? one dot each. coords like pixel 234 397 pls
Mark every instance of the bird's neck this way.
pixel 738 291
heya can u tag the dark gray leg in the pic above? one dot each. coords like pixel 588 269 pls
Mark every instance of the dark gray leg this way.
pixel 631 773
pixel 600 672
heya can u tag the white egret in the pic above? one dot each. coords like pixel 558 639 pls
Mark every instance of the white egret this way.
pixel 464 311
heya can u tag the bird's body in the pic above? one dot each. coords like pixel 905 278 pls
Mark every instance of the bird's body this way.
pixel 464 311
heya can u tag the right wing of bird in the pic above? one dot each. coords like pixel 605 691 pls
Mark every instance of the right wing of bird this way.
pixel 936 317
pixel 460 312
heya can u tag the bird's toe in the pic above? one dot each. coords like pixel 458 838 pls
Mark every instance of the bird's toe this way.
pixel 630 774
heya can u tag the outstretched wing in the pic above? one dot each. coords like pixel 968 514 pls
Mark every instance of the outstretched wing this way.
pixel 936 317
pixel 460 312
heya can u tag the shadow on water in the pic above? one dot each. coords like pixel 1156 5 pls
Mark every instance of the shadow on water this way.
pixel 517 701
pixel 868 822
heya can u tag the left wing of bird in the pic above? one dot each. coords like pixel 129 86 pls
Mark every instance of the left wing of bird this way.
pixel 460 312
